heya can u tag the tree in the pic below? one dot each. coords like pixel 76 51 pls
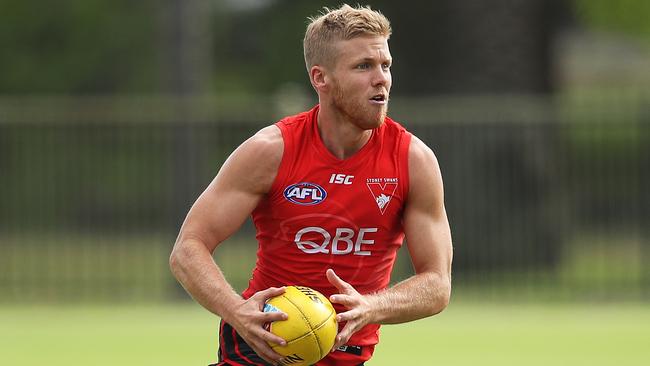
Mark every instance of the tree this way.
pixel 77 46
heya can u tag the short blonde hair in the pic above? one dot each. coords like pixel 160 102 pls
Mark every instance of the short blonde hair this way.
pixel 343 23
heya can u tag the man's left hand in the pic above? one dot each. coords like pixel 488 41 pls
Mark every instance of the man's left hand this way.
pixel 358 307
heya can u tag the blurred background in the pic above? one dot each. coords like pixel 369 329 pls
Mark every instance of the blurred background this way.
pixel 115 115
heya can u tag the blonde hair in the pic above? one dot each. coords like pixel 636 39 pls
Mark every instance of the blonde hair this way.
pixel 343 23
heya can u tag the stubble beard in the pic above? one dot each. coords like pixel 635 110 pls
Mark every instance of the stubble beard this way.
pixel 362 116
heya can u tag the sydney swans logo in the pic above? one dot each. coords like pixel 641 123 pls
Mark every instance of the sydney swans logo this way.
pixel 382 190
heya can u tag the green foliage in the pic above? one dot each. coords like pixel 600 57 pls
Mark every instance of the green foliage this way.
pixel 626 16
pixel 76 46
pixel 258 51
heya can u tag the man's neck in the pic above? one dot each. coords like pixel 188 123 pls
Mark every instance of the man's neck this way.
pixel 340 136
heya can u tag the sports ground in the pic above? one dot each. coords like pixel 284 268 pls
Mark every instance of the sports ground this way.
pixel 467 333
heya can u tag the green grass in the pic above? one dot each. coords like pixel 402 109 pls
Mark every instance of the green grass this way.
pixel 465 334
pixel 107 335
pixel 493 334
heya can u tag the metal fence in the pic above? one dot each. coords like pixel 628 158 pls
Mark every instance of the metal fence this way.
pixel 547 196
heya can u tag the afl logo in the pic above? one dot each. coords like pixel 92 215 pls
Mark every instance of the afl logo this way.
pixel 305 194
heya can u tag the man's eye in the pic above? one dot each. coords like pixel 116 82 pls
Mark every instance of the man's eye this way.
pixel 363 66
pixel 385 66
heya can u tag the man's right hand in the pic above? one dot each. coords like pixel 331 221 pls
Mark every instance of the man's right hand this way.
pixel 249 321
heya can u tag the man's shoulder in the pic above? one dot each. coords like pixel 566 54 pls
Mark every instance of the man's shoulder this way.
pixel 420 151
pixel 267 142
pixel 257 160
pixel 424 171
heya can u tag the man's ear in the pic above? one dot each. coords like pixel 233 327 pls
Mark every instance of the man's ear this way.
pixel 318 77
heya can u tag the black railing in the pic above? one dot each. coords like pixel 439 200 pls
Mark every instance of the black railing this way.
pixel 545 197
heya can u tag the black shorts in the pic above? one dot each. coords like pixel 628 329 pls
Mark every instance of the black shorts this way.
pixel 234 351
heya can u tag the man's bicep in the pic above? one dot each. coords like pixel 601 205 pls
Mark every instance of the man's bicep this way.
pixel 428 239
pixel 218 213
pixel 241 183
pixel 426 225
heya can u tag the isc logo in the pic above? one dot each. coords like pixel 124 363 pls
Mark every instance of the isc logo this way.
pixel 341 179
pixel 314 239
pixel 305 193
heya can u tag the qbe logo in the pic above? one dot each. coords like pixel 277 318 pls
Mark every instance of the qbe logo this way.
pixel 305 193
pixel 314 239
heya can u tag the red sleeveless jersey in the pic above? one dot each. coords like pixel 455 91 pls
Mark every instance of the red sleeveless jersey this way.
pixel 323 212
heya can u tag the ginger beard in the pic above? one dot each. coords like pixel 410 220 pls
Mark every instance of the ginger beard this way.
pixel 357 108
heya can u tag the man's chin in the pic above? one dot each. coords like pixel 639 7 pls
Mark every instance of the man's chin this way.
pixel 379 120
pixel 366 119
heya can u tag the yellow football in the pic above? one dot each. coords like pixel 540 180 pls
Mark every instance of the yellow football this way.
pixel 310 329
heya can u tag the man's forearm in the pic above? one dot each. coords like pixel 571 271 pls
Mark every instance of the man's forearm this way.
pixel 193 266
pixel 417 297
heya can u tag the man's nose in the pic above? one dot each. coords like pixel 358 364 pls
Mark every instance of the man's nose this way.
pixel 381 77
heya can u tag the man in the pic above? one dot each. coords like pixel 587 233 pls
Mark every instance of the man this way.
pixel 333 192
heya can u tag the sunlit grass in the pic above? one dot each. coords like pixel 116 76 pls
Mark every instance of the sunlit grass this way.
pixel 465 334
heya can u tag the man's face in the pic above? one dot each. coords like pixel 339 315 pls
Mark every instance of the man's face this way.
pixel 361 80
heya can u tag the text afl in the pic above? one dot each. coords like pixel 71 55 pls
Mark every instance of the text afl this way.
pixel 305 193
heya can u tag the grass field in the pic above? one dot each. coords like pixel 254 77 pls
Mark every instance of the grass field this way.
pixel 465 334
